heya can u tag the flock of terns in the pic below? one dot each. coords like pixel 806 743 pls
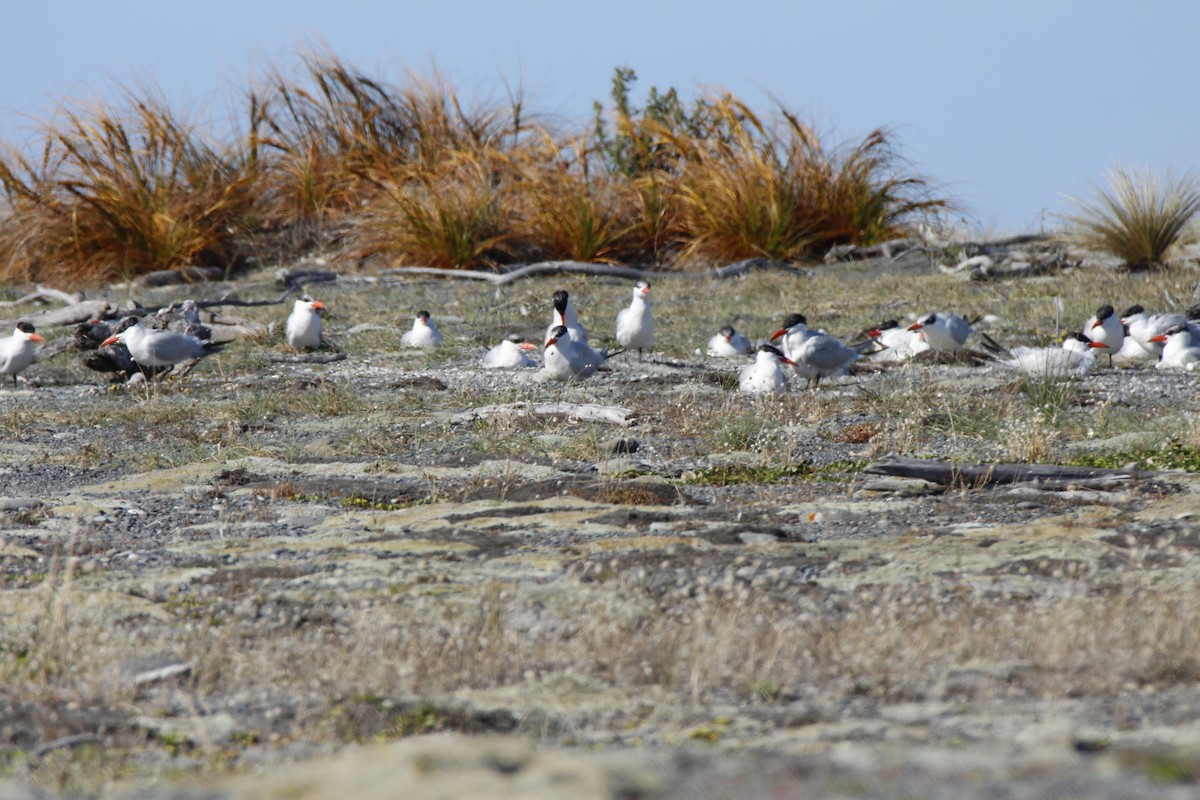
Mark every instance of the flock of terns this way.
pixel 794 350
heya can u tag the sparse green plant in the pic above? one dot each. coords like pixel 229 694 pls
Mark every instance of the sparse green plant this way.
pixel 1139 217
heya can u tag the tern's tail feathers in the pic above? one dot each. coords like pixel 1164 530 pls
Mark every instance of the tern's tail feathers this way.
pixel 993 347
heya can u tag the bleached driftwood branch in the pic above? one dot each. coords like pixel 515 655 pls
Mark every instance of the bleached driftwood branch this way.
pixel 68 315
pixel 588 412
pixel 591 269
pixel 43 292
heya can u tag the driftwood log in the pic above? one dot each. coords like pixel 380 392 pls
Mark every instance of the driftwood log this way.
pixel 948 473
pixel 44 292
pixel 893 249
pixel 67 315
pixel 307 358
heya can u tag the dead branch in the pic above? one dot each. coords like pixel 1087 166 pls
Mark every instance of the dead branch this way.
pixel 949 473
pixel 308 358
pixel 44 292
pixel 591 269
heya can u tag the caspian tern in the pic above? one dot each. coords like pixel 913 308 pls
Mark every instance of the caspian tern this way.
pixel 16 351
pixel 822 355
pixel 511 353
pixel 304 324
pixel 1180 350
pixel 793 331
pixel 766 373
pixel 635 324
pixel 899 343
pixel 1076 358
pixel 569 360
pixel 943 331
pixel 1144 327
pixel 423 334
pixel 728 343
pixel 1106 327
pixel 814 354
pixel 564 314
pixel 154 348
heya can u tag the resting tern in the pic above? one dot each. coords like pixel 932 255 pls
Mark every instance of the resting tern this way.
pixel 423 334
pixel 1106 327
pixel 766 373
pixel 512 353
pixel 16 351
pixel 1076 358
pixel 564 314
pixel 304 324
pixel 569 360
pixel 1180 350
pixel 635 324
pixel 943 331
pixel 728 343
pixel 899 344
pixel 154 348
pixel 1144 327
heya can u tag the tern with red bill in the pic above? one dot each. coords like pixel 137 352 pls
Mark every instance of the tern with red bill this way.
pixel 1144 327
pixel 791 333
pixel 16 351
pixel 728 343
pixel 1180 350
pixel 635 324
pixel 943 331
pixel 303 329
pixel 423 334
pixel 766 373
pixel 814 354
pixel 564 314
pixel 898 344
pixel 154 348
pixel 568 360
pixel 1076 358
pixel 511 353
pixel 1106 327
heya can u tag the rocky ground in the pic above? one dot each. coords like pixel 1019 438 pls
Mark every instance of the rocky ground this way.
pixel 276 577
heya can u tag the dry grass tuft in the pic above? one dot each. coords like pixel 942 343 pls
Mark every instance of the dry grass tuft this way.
pixel 570 207
pixel 450 216
pixel 118 192
pixel 749 187
pixel 335 158
pixel 1139 217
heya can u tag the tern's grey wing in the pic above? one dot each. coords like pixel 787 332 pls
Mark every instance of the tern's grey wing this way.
pixel 959 328
pixel 164 348
pixel 827 354
pixel 587 360
pixel 1161 323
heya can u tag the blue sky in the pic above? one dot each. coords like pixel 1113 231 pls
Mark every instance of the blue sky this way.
pixel 1009 105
